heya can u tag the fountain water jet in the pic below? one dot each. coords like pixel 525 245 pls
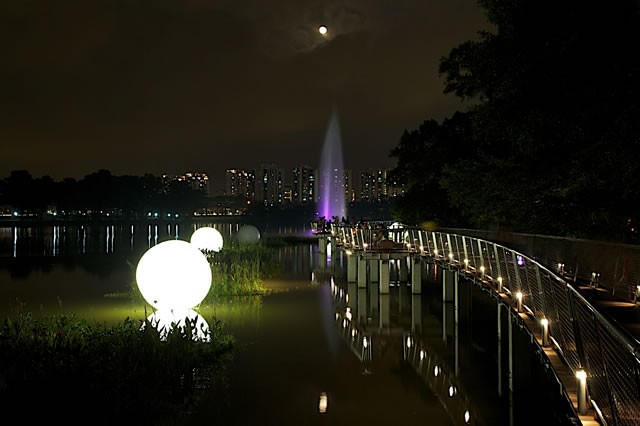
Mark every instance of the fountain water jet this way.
pixel 331 191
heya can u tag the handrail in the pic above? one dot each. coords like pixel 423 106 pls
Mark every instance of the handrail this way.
pixel 585 337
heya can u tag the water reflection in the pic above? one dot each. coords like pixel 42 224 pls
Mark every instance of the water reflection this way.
pixel 167 320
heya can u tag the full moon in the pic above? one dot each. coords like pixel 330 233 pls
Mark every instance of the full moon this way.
pixel 322 29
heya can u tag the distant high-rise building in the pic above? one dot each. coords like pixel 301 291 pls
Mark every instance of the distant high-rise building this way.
pixel 303 186
pixel 374 186
pixel 270 185
pixel 194 180
pixel 240 183
pixel 349 187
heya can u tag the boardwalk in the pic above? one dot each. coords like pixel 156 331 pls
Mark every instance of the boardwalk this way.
pixel 589 328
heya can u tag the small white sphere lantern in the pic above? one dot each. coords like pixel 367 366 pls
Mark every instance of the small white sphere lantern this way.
pixel 248 234
pixel 207 238
pixel 173 275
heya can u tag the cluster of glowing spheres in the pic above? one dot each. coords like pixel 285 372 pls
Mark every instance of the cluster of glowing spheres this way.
pixel 174 275
pixel 322 29
pixel 248 234
pixel 207 238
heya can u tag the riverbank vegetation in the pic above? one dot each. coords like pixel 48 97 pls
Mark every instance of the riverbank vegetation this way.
pixel 64 368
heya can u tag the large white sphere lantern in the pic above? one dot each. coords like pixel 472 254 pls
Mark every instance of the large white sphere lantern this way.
pixel 173 275
pixel 248 234
pixel 207 238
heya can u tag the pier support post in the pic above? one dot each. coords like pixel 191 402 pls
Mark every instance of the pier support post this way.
pixel 384 276
pixel 351 268
pixel 362 272
pixel 403 271
pixel 416 275
pixel 322 243
pixel 416 313
pixel 385 309
pixel 362 305
pixel 374 270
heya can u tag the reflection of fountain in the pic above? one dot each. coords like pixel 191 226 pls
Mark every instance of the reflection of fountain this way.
pixel 331 194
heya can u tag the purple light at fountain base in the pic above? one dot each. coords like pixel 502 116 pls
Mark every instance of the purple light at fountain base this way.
pixel 331 194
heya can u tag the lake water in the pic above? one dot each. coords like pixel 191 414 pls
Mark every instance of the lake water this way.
pixel 299 360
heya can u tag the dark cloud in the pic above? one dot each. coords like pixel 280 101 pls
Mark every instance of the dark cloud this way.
pixel 152 86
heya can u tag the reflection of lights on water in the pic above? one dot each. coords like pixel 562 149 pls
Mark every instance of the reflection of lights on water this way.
pixel 408 342
pixel 436 371
pixel 337 315
pixel 346 299
pixel 421 355
pixel 365 343
pixel 353 332
pixel 452 391
pixel 467 416
pixel 344 323
pixel 348 314
pixel 322 405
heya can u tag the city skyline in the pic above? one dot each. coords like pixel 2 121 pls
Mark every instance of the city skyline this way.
pixel 165 87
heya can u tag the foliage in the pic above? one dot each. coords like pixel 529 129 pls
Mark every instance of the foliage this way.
pixel 68 369
pixel 238 269
pixel 553 128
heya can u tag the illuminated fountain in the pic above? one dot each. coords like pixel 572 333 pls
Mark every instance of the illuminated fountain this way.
pixel 331 193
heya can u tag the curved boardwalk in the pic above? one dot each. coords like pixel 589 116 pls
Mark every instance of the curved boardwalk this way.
pixel 589 329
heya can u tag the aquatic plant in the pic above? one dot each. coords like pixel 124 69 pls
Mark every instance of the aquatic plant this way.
pixel 69 369
pixel 239 269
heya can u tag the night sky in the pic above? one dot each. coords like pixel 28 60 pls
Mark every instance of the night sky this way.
pixel 166 86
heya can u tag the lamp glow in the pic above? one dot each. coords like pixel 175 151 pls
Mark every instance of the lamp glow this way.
pixel 173 275
pixel 207 238
pixel 166 320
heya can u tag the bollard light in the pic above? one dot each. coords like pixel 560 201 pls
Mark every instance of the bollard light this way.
pixel 545 332
pixel 482 272
pixel 519 302
pixel 581 377
pixel 450 257
pixel 435 252
pixel 466 264
pixel 499 284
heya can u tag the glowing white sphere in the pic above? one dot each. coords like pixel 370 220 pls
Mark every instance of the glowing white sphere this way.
pixel 207 238
pixel 248 234
pixel 173 275
pixel 322 29
pixel 165 320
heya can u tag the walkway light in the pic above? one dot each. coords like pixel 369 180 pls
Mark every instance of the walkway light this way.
pixel 466 264
pixel 545 332
pixel 519 302
pixel 435 252
pixel 581 377
pixel 482 272
pixel 499 284
pixel 450 257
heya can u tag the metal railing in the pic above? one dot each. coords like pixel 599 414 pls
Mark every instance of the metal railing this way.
pixel 582 336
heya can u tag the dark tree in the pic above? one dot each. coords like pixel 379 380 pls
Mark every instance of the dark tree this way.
pixel 554 119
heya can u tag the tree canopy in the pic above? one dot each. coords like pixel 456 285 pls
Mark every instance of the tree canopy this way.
pixel 552 136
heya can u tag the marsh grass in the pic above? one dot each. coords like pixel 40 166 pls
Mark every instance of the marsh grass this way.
pixel 240 270
pixel 67 368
